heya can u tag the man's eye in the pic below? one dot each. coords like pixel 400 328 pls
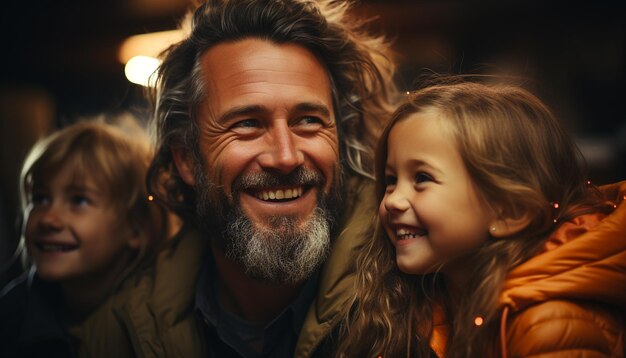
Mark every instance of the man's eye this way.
pixel 310 120
pixel 422 177
pixel 246 123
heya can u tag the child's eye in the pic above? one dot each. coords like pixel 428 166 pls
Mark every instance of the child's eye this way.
pixel 390 180
pixel 39 199
pixel 80 200
pixel 422 177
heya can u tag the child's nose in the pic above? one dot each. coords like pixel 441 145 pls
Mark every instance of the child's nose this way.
pixel 51 219
pixel 396 201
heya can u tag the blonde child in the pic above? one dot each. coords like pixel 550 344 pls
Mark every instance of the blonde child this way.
pixel 89 226
pixel 491 241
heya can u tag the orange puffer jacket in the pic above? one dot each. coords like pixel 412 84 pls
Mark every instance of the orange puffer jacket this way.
pixel 570 300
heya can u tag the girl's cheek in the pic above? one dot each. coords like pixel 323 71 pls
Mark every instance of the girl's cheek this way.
pixel 384 219
pixel 382 212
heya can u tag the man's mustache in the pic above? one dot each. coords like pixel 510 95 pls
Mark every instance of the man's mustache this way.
pixel 300 176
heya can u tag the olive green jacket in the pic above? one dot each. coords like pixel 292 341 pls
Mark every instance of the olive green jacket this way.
pixel 154 317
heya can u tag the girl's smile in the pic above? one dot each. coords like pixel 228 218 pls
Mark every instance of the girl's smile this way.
pixel 431 210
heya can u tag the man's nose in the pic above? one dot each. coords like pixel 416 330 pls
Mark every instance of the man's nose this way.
pixel 282 153
pixel 396 201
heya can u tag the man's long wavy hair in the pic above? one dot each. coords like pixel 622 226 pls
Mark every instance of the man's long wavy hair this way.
pixel 520 159
pixel 359 67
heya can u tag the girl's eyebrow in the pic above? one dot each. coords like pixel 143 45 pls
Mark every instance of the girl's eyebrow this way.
pixel 420 163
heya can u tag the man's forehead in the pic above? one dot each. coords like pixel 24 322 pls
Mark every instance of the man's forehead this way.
pixel 259 72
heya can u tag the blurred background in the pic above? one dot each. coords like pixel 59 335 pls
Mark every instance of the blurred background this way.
pixel 65 60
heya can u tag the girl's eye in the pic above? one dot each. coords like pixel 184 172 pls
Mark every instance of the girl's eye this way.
pixel 390 180
pixel 422 177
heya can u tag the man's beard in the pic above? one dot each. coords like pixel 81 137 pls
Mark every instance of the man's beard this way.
pixel 282 249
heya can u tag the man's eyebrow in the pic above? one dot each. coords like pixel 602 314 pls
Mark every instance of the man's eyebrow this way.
pixel 313 107
pixel 239 111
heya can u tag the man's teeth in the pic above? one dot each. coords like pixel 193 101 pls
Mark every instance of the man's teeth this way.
pixel 280 194
pixel 409 234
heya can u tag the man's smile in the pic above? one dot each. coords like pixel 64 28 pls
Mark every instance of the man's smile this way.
pixel 296 200
pixel 283 194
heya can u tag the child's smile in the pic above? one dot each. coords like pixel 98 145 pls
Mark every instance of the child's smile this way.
pixel 72 229
pixel 431 210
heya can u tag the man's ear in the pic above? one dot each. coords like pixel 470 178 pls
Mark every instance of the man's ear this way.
pixel 185 164
pixel 505 226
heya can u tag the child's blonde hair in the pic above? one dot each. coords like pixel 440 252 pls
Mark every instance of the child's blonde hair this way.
pixel 116 161
pixel 521 161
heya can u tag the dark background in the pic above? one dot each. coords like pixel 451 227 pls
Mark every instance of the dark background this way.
pixel 59 64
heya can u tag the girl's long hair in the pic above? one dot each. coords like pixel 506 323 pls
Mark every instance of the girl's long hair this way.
pixel 521 160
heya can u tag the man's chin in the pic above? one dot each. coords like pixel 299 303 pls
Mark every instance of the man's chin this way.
pixel 279 224
pixel 282 250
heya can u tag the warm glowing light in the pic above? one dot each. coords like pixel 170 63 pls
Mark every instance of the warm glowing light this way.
pixel 478 321
pixel 140 70
pixel 588 182
pixel 151 44
pixel 554 221
pixel 150 197
pixel 556 205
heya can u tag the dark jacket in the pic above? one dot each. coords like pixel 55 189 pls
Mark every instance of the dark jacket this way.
pixel 156 318
pixel 31 322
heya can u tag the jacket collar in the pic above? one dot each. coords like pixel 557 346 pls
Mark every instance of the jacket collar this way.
pixel 584 259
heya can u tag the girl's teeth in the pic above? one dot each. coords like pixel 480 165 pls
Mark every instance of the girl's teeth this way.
pixel 409 234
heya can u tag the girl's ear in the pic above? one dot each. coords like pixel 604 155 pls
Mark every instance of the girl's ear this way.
pixel 185 164
pixel 506 226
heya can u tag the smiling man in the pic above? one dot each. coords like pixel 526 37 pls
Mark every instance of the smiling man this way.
pixel 266 117
pixel 266 168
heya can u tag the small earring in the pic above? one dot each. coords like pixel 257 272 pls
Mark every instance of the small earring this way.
pixel 492 229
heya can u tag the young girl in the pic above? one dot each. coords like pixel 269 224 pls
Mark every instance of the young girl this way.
pixel 491 242
pixel 89 226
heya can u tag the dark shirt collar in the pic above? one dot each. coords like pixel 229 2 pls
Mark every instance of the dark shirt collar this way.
pixel 43 318
pixel 210 311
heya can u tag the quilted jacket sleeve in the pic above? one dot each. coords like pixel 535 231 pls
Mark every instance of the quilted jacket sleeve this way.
pixel 559 328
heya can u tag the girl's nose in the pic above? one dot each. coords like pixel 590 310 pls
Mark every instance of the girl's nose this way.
pixel 396 201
